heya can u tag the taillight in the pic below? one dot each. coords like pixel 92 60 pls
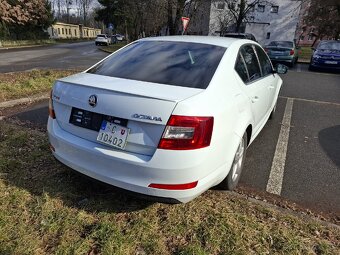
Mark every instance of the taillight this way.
pixel 187 133
pixel 51 112
pixel 291 52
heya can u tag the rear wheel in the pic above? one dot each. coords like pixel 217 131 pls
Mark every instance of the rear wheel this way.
pixel 233 177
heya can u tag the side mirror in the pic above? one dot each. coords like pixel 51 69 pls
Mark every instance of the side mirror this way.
pixel 281 69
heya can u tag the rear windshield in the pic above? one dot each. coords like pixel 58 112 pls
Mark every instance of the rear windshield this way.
pixel 329 46
pixel 173 63
pixel 235 36
pixel 100 35
pixel 285 44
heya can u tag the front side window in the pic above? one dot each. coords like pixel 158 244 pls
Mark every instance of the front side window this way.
pixel 265 63
pixel 172 63
pixel 251 62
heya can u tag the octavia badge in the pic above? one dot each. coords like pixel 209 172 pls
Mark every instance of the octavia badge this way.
pixel 93 100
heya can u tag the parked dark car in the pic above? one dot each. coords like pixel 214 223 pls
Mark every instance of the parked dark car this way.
pixel 241 36
pixel 283 52
pixel 326 56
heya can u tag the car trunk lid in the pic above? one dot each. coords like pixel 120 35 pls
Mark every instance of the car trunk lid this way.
pixel 144 107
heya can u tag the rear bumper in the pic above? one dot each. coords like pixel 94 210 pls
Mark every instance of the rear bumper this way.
pixel 320 65
pixel 136 172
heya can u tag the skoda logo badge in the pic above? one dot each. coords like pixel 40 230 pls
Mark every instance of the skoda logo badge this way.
pixel 93 100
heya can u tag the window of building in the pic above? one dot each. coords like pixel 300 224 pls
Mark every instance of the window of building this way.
pixel 312 30
pixel 261 8
pixel 70 31
pixel 302 37
pixel 310 38
pixel 220 6
pixel 268 35
pixel 62 30
pixel 75 32
pixel 274 9
pixel 58 31
pixel 66 31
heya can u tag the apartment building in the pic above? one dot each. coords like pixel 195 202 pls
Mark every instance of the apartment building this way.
pixel 275 20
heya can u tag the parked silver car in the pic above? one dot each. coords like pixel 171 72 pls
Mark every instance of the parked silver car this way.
pixel 283 52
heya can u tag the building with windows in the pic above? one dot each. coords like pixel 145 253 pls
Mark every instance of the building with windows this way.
pixel 71 31
pixel 274 20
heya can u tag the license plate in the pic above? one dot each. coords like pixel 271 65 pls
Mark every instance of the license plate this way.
pixel 113 135
pixel 331 62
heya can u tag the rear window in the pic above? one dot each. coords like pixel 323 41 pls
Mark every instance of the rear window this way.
pixel 236 36
pixel 100 35
pixel 285 44
pixel 329 45
pixel 173 63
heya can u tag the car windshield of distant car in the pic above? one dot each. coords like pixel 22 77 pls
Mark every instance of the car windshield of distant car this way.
pixel 173 63
pixel 100 35
pixel 285 44
pixel 329 46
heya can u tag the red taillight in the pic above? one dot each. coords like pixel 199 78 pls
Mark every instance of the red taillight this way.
pixel 50 107
pixel 187 133
pixel 291 52
pixel 190 185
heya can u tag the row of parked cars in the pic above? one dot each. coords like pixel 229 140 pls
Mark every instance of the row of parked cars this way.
pixel 325 56
pixel 103 39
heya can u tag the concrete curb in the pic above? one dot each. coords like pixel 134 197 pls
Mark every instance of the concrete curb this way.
pixel 107 51
pixel 24 100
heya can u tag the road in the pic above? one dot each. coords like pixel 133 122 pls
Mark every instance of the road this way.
pixel 303 167
pixel 60 56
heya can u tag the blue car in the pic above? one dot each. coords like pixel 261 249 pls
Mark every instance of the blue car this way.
pixel 326 56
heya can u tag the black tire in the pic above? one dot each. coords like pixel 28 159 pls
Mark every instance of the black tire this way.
pixel 230 182
pixel 311 68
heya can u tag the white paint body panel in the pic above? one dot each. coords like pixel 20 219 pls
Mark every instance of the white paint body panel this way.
pixel 227 99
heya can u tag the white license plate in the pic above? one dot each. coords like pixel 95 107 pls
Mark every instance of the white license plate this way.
pixel 113 135
pixel 331 62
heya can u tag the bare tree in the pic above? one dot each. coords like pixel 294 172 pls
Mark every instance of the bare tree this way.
pixel 324 16
pixel 84 6
pixel 238 11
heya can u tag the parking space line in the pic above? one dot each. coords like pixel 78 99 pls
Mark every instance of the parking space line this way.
pixel 275 180
pixel 311 101
pixel 298 67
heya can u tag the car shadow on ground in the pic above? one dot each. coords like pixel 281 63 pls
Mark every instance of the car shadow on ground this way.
pixel 27 163
pixel 329 139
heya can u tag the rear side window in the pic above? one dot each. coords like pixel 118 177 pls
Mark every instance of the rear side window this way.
pixel 265 63
pixel 173 63
pixel 251 62
pixel 241 68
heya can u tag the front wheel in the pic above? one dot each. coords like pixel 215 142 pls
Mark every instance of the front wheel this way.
pixel 233 177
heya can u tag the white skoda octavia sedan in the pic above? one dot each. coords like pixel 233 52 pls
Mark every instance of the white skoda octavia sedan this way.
pixel 165 116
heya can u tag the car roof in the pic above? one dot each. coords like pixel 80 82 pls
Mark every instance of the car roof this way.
pixel 212 40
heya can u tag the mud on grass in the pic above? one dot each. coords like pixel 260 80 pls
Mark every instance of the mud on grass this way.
pixel 22 84
pixel 45 208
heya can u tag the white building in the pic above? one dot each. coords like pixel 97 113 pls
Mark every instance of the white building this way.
pixel 275 20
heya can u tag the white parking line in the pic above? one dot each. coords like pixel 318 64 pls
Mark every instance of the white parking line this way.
pixel 298 68
pixel 275 180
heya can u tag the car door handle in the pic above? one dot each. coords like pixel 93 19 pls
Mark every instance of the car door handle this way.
pixel 254 99
pixel 271 87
